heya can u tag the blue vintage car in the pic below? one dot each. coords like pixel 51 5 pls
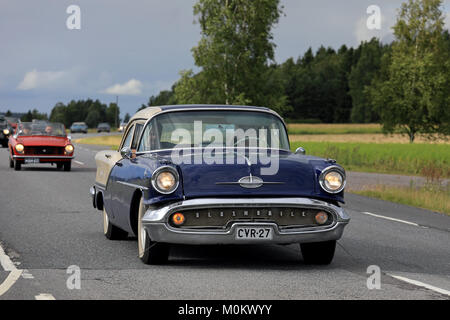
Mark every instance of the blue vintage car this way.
pixel 210 174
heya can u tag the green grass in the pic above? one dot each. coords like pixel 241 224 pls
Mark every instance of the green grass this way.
pixel 108 141
pixel 432 160
pixel 431 197
pixel 410 159
pixel 298 128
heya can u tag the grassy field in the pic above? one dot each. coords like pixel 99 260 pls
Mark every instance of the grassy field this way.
pixel 325 129
pixel 112 141
pixel 431 197
pixel 409 159
pixel 366 151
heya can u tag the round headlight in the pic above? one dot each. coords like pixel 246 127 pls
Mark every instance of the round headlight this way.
pixel 19 148
pixel 69 148
pixel 5 132
pixel 332 180
pixel 165 180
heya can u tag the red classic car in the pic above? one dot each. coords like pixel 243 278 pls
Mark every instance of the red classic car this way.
pixel 40 142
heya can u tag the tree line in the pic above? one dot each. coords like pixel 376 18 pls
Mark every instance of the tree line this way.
pixel 404 85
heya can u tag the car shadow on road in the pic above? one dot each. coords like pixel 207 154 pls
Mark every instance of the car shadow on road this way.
pixel 269 257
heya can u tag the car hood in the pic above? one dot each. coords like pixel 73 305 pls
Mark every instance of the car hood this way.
pixel 296 177
pixel 42 141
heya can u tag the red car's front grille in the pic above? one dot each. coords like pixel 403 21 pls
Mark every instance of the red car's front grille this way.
pixel 42 151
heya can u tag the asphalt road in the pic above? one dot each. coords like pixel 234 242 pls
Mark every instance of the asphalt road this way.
pixel 47 224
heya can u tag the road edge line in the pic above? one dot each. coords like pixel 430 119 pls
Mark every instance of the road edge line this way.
pixel 421 284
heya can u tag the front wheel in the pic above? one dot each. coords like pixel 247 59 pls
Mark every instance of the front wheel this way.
pixel 110 231
pixel 318 252
pixel 150 252
pixel 67 166
pixel 17 165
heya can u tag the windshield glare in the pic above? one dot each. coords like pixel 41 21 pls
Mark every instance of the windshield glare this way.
pixel 41 129
pixel 248 129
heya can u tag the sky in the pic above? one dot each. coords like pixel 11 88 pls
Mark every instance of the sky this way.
pixel 133 49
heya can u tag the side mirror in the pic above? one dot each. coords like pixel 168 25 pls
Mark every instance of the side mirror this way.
pixel 300 150
pixel 69 137
pixel 126 153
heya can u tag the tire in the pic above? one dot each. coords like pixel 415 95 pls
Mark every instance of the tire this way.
pixel 5 144
pixel 59 166
pixel 320 253
pixel 17 165
pixel 67 166
pixel 150 252
pixel 110 231
pixel 11 163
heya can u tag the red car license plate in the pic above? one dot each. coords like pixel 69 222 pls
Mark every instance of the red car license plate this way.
pixel 32 160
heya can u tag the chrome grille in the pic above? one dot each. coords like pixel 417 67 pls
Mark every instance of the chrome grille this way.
pixel 43 150
pixel 223 217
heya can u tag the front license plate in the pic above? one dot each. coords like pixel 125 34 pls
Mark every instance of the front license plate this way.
pixel 254 233
pixel 32 160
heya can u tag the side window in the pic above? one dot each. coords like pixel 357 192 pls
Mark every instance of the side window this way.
pixel 137 133
pixel 144 145
pixel 127 141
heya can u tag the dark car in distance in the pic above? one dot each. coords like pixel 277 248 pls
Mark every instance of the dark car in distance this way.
pixel 5 131
pixel 103 127
pixel 79 127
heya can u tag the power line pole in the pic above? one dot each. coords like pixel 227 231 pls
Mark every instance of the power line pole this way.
pixel 117 108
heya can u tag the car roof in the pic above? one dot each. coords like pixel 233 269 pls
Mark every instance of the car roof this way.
pixel 152 111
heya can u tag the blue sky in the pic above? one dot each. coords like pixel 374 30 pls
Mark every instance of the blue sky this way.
pixel 136 48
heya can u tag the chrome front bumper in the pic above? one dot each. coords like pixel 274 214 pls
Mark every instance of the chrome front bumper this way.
pixel 156 222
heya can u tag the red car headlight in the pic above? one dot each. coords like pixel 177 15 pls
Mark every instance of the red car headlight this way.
pixel 19 148
pixel 69 149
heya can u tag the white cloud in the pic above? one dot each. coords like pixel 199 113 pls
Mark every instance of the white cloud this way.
pixel 41 79
pixel 132 88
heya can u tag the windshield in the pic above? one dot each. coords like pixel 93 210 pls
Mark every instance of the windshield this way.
pixel 241 129
pixel 41 129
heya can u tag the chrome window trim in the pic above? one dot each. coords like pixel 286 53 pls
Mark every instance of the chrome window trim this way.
pixel 213 109
pixel 201 148
pixel 329 169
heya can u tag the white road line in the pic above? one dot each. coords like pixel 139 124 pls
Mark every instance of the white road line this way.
pixel 10 280
pixel 9 266
pixel 6 262
pixel 44 296
pixel 79 162
pixel 421 284
pixel 391 219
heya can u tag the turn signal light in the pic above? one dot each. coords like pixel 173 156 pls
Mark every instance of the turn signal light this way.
pixel 178 219
pixel 321 218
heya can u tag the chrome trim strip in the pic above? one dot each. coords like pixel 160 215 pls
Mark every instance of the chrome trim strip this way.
pixel 241 183
pixel 136 186
pixel 206 148
pixel 43 157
